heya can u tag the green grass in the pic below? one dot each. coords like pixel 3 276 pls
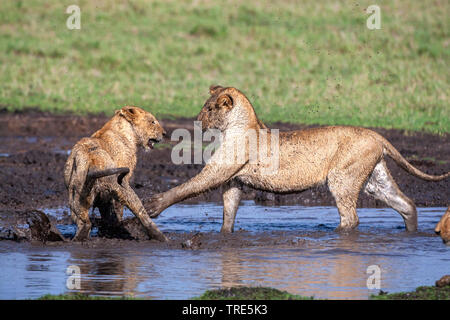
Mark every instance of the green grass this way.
pixel 250 293
pixel 421 293
pixel 79 296
pixel 262 293
pixel 311 62
pixel 241 293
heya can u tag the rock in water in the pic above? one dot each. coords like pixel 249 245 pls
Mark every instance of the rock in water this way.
pixel 443 282
pixel 193 243
pixel 30 225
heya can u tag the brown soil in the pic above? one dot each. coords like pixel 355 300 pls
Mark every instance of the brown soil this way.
pixel 34 145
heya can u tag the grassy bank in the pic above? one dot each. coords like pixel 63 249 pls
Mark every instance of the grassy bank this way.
pixel 309 61
pixel 262 293
pixel 241 293
pixel 421 293
pixel 250 293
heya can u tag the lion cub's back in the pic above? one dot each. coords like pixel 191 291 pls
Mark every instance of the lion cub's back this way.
pixel 87 153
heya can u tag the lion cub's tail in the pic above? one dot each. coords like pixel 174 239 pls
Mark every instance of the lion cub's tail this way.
pixel 78 175
pixel 402 162
pixel 95 174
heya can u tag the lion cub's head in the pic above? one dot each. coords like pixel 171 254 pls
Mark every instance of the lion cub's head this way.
pixel 225 108
pixel 443 227
pixel 146 128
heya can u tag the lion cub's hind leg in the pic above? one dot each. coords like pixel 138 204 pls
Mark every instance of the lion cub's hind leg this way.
pixel 79 210
pixel 382 186
pixel 80 215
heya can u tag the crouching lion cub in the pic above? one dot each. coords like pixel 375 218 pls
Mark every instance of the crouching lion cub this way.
pixel 347 159
pixel 443 227
pixel 99 169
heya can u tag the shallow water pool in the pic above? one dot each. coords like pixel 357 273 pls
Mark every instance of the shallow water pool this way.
pixel 315 261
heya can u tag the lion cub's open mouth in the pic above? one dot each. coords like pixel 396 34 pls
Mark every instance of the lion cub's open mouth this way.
pixel 151 143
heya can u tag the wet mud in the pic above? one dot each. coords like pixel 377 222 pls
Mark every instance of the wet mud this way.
pixel 34 147
pixel 32 225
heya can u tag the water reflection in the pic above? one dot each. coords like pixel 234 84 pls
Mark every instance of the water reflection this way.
pixel 319 262
pixel 340 276
pixel 108 273
pixel 335 269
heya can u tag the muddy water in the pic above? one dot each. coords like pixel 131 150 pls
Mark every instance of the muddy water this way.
pixel 290 248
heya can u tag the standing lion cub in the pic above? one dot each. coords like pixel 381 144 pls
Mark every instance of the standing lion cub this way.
pixel 99 169
pixel 347 159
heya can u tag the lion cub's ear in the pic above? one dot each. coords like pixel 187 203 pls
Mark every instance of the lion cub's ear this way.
pixel 128 113
pixel 214 89
pixel 225 101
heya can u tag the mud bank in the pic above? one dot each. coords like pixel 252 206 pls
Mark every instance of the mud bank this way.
pixel 33 225
pixel 34 147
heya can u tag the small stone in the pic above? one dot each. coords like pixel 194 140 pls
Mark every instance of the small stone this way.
pixel 193 243
pixel 443 282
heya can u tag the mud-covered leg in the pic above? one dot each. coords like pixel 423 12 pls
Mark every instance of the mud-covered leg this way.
pixel 346 204
pixel 347 177
pixel 128 197
pixel 79 211
pixel 231 198
pixel 382 186
pixel 80 215
pixel 118 208
pixel 344 186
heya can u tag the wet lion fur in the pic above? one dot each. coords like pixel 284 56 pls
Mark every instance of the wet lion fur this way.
pixel 443 227
pixel 99 169
pixel 345 158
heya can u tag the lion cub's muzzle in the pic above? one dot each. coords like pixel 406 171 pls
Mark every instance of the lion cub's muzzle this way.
pixel 152 141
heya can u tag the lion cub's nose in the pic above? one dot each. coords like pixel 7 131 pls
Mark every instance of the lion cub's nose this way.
pixel 164 133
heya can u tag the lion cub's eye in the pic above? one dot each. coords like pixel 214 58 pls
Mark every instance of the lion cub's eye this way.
pixel 153 122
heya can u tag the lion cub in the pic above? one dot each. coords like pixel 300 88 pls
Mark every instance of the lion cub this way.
pixel 443 227
pixel 99 168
